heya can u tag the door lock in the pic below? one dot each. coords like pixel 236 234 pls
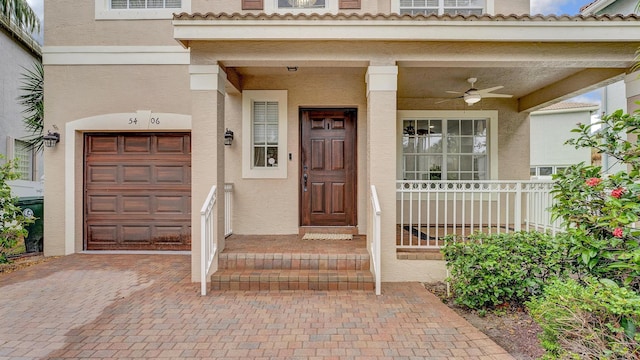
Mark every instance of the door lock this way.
pixel 305 177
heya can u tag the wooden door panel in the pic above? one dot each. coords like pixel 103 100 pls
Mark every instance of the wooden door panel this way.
pixel 138 191
pixel 328 159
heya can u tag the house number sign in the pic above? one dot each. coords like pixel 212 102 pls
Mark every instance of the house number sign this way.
pixel 143 119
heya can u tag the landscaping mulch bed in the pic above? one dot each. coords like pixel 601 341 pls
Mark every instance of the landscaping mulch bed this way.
pixel 510 327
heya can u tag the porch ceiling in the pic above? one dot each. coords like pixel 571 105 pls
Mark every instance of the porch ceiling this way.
pixel 542 61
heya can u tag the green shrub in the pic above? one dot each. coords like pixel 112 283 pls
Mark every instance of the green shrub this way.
pixel 494 269
pixel 12 221
pixel 600 212
pixel 595 321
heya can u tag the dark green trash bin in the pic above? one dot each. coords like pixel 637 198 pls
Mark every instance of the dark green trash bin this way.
pixel 33 207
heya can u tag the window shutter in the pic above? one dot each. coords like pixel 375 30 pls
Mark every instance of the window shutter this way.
pixel 349 4
pixel 252 5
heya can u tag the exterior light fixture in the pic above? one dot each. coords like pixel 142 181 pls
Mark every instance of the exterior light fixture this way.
pixel 51 139
pixel 228 137
pixel 472 97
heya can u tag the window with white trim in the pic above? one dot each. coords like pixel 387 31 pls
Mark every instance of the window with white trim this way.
pixel 264 133
pixel 24 160
pixel 146 4
pixel 448 147
pixel 301 6
pixel 439 7
pixel 140 9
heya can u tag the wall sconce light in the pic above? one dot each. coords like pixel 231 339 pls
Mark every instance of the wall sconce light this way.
pixel 228 137
pixel 51 139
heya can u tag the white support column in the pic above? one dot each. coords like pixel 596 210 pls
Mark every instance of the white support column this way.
pixel 382 87
pixel 207 151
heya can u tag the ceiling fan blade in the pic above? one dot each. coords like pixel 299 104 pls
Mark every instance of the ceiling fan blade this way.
pixel 488 90
pixel 453 92
pixel 490 95
pixel 444 100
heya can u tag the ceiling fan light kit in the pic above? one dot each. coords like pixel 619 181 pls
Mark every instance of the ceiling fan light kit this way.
pixel 474 95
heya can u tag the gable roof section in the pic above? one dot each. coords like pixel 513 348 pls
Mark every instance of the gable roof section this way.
pixel 503 28
pixel 567 106
pixel 595 6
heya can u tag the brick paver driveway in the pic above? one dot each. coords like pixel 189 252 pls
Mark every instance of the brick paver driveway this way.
pixel 144 306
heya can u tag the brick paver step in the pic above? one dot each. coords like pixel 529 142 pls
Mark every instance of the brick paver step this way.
pixel 293 261
pixel 270 279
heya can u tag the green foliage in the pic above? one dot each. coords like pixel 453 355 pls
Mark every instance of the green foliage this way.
pixel 599 212
pixel 494 269
pixel 12 221
pixel 20 13
pixel 32 98
pixel 597 321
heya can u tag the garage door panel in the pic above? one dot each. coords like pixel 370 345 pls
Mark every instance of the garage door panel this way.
pixel 104 234
pixel 138 198
pixel 171 174
pixel 171 144
pixel 103 145
pixel 136 174
pixel 137 144
pixel 107 174
pixel 102 204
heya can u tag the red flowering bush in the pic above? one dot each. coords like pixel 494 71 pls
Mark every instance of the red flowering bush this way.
pixel 601 212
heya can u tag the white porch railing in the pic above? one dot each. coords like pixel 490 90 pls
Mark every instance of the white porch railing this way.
pixel 374 246
pixel 209 240
pixel 429 210
pixel 228 209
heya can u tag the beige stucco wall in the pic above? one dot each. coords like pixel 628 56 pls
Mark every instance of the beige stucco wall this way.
pixel 77 92
pixel 72 23
pixel 271 206
pixel 508 7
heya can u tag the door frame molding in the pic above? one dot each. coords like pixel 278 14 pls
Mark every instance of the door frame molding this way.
pixel 353 109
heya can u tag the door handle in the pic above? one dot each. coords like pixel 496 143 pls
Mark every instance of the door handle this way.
pixel 305 177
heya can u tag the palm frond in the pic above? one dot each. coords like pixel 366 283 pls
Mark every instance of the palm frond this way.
pixel 32 98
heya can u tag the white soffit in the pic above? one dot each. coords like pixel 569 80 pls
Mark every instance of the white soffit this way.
pixel 389 30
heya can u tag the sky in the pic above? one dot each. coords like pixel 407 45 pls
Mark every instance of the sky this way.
pixel 545 7
pixel 557 7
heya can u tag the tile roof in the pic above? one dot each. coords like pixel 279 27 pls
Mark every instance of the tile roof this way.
pixel 404 17
pixel 566 105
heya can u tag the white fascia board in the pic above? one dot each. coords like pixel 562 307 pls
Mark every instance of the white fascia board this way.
pixel 564 111
pixel 596 6
pixel 115 55
pixel 504 31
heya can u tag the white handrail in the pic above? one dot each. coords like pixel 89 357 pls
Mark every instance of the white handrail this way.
pixel 375 242
pixel 228 209
pixel 209 241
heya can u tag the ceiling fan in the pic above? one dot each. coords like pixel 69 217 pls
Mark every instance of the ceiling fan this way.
pixel 474 95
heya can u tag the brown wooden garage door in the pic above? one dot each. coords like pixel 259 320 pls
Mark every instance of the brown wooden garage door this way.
pixel 137 191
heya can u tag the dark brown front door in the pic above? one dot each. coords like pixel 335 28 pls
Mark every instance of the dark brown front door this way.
pixel 328 168
pixel 137 191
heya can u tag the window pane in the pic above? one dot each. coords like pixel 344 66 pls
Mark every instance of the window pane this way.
pixel 301 4
pixel 173 4
pixel 136 4
pixel 272 134
pixel 155 4
pixel 466 127
pixel 258 156
pixel 118 4
pixel 272 156
pixel 545 170
pixel 532 171
pixel 259 134
pixel 24 157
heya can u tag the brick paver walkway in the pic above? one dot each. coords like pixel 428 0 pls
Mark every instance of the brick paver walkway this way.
pixel 144 306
